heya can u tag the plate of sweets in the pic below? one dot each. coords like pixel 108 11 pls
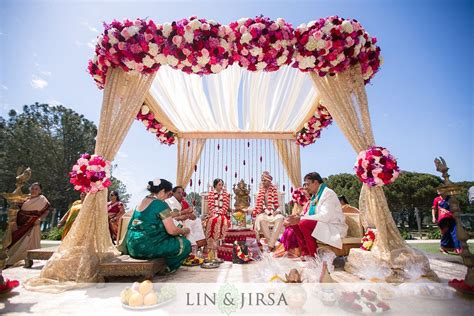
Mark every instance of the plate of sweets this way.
pixel 362 302
pixel 192 261
pixel 143 296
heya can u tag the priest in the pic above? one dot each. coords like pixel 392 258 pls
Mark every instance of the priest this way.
pixel 267 211
pixel 324 219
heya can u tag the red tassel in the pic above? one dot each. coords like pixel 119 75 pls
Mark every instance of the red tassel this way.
pixel 225 168
pixel 191 182
pixel 261 158
pixel 251 180
pixel 199 182
pixel 244 162
pixel 189 143
pixel 236 175
pixel 283 188
pixel 248 144
pixel 218 146
pixel 195 168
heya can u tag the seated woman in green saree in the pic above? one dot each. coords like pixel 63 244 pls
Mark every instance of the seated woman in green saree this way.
pixel 152 232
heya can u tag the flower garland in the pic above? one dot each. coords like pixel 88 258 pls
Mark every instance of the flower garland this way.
pixel 272 200
pixel 219 201
pixel 240 254
pixel 328 46
pixel 164 135
pixel 331 45
pixel 90 174
pixel 312 129
pixel 368 240
pixel 299 196
pixel 130 45
pixel 376 167
pixel 8 285
pixel 263 44
pixel 198 46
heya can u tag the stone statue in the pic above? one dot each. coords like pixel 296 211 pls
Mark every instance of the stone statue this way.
pixel 21 179
pixel 242 195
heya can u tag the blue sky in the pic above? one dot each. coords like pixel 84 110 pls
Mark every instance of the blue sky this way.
pixel 421 101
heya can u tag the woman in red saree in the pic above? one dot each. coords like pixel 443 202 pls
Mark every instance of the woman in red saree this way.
pixel 27 234
pixel 218 220
pixel 115 210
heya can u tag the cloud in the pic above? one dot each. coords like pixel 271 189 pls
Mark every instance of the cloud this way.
pixel 38 83
pixel 4 87
pixel 54 102
pixel 89 27
pixel 77 43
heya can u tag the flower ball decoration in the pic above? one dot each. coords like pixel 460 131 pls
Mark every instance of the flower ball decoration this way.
pixel 368 240
pixel 90 174
pixel 263 44
pixel 311 130
pixel 164 135
pixel 299 197
pixel 331 45
pixel 130 45
pixel 198 46
pixel 376 167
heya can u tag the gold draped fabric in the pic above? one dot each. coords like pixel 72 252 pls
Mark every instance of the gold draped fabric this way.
pixel 345 98
pixel 289 153
pixel 189 152
pixel 160 115
pixel 88 242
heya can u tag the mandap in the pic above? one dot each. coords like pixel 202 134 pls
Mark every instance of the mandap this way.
pixel 255 82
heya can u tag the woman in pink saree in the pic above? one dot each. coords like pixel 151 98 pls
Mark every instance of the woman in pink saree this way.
pixel 27 234
pixel 115 210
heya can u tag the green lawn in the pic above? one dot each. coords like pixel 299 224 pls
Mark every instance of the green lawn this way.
pixel 434 248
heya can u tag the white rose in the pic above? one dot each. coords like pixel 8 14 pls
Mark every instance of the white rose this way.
pixel 281 22
pixel 224 44
pixel 189 36
pixel 145 122
pixel 307 62
pixel 327 27
pixel 153 130
pixel 171 60
pixel 242 21
pixel 131 64
pixel 310 24
pixel 281 60
pixel 186 62
pixel 216 68
pixel 334 62
pixel 145 110
pixel 256 51
pixel 203 60
pixel 161 59
pixel 167 28
pixel 302 27
pixel 152 49
pixel 311 44
pixel 246 37
pixel 341 57
pixel 112 39
pixel 347 26
pixel 195 24
pixel 131 30
pixel 261 65
pixel 320 44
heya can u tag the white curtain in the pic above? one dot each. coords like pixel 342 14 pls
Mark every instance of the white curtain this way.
pixel 235 99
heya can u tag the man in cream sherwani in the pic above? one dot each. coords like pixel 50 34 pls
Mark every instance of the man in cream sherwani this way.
pixel 186 218
pixel 323 220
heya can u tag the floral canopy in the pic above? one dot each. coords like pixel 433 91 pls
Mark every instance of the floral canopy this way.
pixel 252 78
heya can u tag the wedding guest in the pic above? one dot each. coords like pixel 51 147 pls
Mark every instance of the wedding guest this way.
pixel 218 220
pixel 446 223
pixel 115 210
pixel 68 219
pixel 346 207
pixel 27 234
pixel 267 211
pixel 152 232
pixel 186 218
pixel 324 220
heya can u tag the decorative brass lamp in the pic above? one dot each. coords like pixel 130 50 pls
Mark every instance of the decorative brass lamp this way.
pixel 451 189
pixel 14 199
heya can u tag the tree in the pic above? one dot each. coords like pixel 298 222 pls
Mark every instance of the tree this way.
pixel 48 139
pixel 120 187
pixel 346 184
